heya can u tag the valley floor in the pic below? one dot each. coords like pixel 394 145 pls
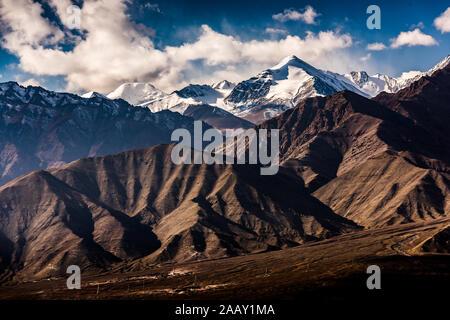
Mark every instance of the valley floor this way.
pixel 332 270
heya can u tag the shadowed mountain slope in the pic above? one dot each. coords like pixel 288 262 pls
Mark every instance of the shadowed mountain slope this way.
pixel 41 129
pixel 217 117
pixel 98 211
pixel 438 243
pixel 426 103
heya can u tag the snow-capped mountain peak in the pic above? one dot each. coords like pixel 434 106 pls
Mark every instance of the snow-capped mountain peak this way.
pixel 293 61
pixel 193 94
pixel 281 87
pixel 137 93
pixel 92 94
pixel 270 92
pixel 223 85
pixel 196 91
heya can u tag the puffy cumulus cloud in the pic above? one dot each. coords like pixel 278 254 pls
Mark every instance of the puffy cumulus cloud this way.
pixel 226 57
pixel 110 49
pixel 225 52
pixel 442 22
pixel 113 50
pixel 24 17
pixel 216 48
pixel 413 38
pixel 308 16
pixel 61 7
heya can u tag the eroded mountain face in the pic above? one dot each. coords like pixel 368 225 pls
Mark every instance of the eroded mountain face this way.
pixel 137 204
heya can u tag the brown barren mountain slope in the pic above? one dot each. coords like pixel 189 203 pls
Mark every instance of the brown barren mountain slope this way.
pixel 411 182
pixel 98 211
pixel 373 162
pixel 324 137
pixel 388 189
pixel 426 102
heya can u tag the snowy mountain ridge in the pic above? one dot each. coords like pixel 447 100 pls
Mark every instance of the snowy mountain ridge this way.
pixel 270 92
pixel 373 85
pixel 281 87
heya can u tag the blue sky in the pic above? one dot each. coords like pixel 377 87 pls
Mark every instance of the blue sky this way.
pixel 171 43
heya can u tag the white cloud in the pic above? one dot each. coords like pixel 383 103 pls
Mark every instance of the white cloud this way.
pixel 366 57
pixel 420 25
pixel 217 48
pixel 276 31
pixel 115 50
pixel 442 22
pixel 376 46
pixel 25 17
pixel 413 38
pixel 30 82
pixel 61 8
pixel 308 16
